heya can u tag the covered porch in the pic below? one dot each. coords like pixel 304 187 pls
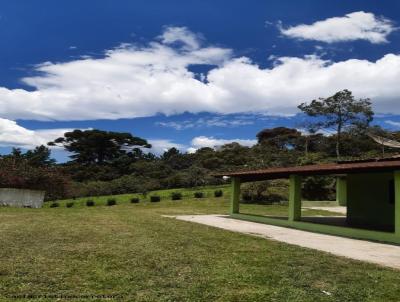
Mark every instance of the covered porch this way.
pixel 370 190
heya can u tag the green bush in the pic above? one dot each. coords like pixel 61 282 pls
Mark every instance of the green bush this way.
pixel 36 177
pixel 246 196
pixel 198 195
pixel 123 185
pixel 318 188
pixel 54 205
pixel 90 203
pixel 265 192
pixel 111 202
pixel 218 193
pixel 69 204
pixel 135 200
pixel 155 198
pixel 176 196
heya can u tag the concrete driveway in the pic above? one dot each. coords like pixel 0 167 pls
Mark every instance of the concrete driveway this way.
pixel 379 253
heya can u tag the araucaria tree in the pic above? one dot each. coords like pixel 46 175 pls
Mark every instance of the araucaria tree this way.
pixel 96 146
pixel 339 112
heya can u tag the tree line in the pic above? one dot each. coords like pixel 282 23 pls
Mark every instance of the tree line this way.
pixel 104 162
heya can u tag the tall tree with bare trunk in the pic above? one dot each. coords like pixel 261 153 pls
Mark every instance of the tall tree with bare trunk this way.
pixel 338 112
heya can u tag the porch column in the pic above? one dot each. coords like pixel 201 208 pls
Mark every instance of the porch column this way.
pixel 397 203
pixel 235 195
pixel 294 198
pixel 341 190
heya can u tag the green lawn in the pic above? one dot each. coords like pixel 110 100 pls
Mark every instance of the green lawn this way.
pixel 131 251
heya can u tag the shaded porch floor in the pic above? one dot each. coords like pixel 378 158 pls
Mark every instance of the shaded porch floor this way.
pixel 333 215
pixel 340 221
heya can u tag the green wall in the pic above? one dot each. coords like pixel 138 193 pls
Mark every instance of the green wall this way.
pixel 341 190
pixel 370 208
pixel 368 201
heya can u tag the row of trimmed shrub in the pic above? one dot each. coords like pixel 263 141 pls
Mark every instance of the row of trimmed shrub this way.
pixel 153 198
pixel 178 195
pixel 91 203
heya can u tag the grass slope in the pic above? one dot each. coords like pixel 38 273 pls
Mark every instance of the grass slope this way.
pixel 131 251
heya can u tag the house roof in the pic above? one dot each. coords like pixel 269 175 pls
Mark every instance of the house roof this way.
pixel 320 169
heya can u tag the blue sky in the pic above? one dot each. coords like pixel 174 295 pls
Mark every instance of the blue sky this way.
pixel 189 73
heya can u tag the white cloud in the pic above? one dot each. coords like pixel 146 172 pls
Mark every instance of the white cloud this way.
pixel 177 125
pixel 130 81
pixel 11 134
pixel 204 141
pixel 172 35
pixel 191 150
pixel 292 80
pixel 159 146
pixel 138 81
pixel 14 135
pixel 355 26
pixel 325 132
pixel 393 123
pixel 215 121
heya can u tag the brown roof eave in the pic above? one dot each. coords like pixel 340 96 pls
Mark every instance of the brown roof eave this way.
pixel 322 169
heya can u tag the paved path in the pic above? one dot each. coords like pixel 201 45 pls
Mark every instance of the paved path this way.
pixel 337 209
pixel 382 254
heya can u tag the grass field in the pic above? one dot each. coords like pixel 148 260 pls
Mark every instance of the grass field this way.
pixel 132 252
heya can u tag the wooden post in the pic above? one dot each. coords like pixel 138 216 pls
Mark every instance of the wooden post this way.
pixel 397 202
pixel 235 195
pixel 294 198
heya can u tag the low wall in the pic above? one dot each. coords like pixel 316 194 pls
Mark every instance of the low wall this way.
pixel 21 198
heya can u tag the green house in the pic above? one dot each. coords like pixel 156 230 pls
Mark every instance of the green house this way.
pixel 369 189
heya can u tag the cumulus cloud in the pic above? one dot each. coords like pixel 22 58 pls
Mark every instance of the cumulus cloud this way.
pixel 159 146
pixel 292 80
pixel 138 81
pixel 393 123
pixel 204 141
pixel 129 81
pixel 11 134
pixel 14 135
pixel 354 26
